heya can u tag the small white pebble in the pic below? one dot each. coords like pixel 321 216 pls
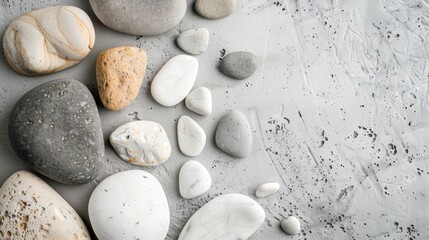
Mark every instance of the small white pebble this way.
pixel 267 189
pixel 291 225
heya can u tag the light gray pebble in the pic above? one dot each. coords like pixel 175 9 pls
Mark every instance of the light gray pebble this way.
pixel 194 41
pixel 239 65
pixel 233 135
pixel 215 9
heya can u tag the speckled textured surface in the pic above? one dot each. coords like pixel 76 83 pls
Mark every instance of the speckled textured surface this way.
pixel 338 109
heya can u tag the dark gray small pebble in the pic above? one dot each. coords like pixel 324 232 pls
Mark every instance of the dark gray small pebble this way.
pixel 233 135
pixel 239 65
pixel 55 128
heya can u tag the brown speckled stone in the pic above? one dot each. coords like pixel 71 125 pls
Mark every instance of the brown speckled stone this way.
pixel 31 209
pixel 120 73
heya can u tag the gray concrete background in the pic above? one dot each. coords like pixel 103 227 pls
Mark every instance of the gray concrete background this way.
pixel 338 108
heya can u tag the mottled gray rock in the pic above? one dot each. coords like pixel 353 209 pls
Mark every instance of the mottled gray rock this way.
pixel 233 135
pixel 194 41
pixel 215 9
pixel 55 128
pixel 139 17
pixel 239 65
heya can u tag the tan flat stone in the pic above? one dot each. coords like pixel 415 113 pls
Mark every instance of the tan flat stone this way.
pixel 120 72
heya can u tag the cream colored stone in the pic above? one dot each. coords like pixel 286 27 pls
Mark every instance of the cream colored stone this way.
pixel 48 40
pixel 120 73
pixel 31 209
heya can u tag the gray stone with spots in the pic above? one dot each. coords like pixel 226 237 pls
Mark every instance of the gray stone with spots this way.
pixel 55 128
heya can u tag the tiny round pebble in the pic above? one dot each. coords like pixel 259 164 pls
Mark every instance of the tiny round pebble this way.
pixel 291 225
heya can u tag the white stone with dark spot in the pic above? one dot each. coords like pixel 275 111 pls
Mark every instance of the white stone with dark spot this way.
pixel 129 205
pixel 291 225
pixel 194 41
pixel 194 180
pixel 191 136
pixel 31 209
pixel 229 216
pixel 234 135
pixel 200 101
pixel 267 189
pixel 239 65
pixel 175 80
pixel 143 143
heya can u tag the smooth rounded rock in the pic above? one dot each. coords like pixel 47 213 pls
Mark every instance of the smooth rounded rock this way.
pixel 194 41
pixel 55 128
pixel 129 205
pixel 291 225
pixel 48 40
pixel 267 189
pixel 239 65
pixel 175 80
pixel 194 180
pixel 31 209
pixel 215 9
pixel 143 143
pixel 191 136
pixel 229 216
pixel 139 17
pixel 120 73
pixel 200 101
pixel 234 135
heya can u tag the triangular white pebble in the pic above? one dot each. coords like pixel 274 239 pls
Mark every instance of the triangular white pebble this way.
pixel 194 41
pixel 194 180
pixel 200 101
pixel 191 136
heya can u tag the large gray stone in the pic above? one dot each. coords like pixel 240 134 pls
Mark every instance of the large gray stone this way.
pixel 239 65
pixel 55 128
pixel 139 17
pixel 233 135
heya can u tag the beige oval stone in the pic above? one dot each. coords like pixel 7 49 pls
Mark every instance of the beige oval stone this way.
pixel 31 209
pixel 120 73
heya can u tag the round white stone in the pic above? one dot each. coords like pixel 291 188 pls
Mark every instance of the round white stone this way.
pixel 143 143
pixel 194 180
pixel 267 189
pixel 175 80
pixel 200 101
pixel 194 41
pixel 291 225
pixel 230 216
pixel 129 205
pixel 191 136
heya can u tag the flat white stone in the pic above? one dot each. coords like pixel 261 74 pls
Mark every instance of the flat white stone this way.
pixel 129 205
pixel 230 216
pixel 200 101
pixel 31 209
pixel 291 225
pixel 143 143
pixel 191 136
pixel 48 40
pixel 194 41
pixel 175 80
pixel 267 189
pixel 194 180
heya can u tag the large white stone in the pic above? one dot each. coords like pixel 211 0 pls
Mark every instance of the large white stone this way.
pixel 191 136
pixel 194 180
pixel 267 189
pixel 48 40
pixel 230 216
pixel 31 209
pixel 175 80
pixel 143 143
pixel 200 101
pixel 129 205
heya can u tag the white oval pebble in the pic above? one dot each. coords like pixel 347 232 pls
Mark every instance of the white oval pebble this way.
pixel 229 216
pixel 143 143
pixel 194 180
pixel 129 205
pixel 175 80
pixel 200 101
pixel 194 41
pixel 291 225
pixel 267 189
pixel 191 136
